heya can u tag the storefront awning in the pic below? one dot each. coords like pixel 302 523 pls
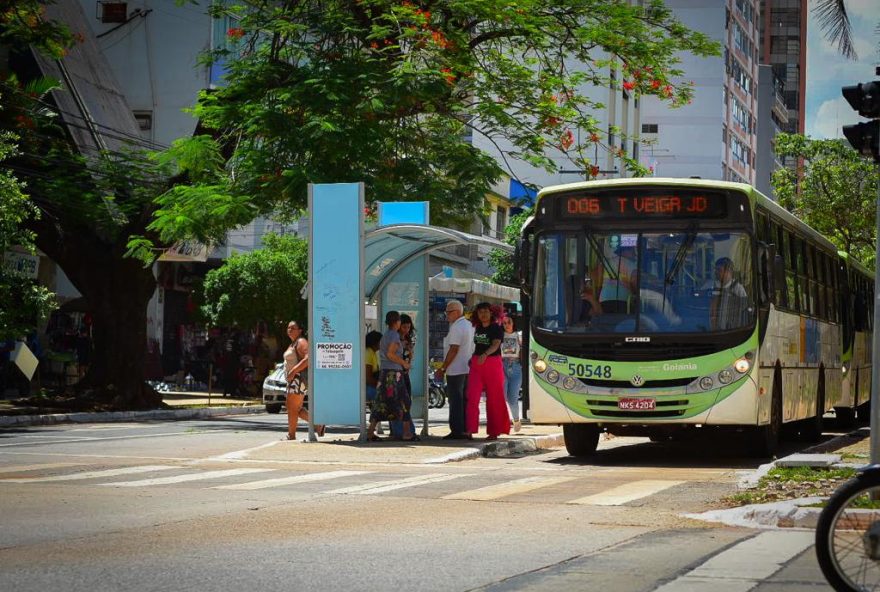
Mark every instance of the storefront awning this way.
pixel 388 248
pixel 473 286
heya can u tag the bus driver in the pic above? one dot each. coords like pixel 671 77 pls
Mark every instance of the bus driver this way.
pixel 729 297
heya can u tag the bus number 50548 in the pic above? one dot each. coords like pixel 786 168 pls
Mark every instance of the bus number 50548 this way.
pixel 589 371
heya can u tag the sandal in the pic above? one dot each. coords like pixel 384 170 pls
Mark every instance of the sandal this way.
pixel 374 438
pixel 414 438
pixel 320 429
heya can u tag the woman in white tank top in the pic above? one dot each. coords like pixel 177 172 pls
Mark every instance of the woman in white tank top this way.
pixel 296 364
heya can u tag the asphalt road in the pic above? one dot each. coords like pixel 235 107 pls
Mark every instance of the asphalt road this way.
pixel 187 506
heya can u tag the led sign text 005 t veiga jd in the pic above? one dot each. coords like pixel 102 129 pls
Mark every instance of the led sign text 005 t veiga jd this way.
pixel 678 205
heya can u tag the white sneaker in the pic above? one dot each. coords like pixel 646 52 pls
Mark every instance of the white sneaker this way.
pixel 517 425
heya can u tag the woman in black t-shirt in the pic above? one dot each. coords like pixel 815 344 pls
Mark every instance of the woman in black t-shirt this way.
pixel 487 374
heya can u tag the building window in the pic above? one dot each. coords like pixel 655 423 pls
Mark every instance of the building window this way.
pixel 650 128
pixel 144 120
pixel 113 12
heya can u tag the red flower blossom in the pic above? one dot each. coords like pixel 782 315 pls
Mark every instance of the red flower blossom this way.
pixel 629 85
pixel 594 171
pixel 594 138
pixel 448 75
pixel 566 140
pixel 235 33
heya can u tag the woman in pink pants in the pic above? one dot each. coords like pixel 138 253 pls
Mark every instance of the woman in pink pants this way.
pixel 487 374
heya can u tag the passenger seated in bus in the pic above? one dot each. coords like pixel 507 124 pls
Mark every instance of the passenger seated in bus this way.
pixel 619 282
pixel 729 297
pixel 589 305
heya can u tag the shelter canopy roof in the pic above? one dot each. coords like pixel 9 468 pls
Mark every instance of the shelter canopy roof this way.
pixel 388 248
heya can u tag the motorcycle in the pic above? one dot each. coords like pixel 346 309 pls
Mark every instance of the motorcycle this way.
pixel 436 394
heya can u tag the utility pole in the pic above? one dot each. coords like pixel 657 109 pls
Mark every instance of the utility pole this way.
pixel 865 137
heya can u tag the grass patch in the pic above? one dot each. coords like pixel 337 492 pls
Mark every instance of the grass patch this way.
pixel 785 483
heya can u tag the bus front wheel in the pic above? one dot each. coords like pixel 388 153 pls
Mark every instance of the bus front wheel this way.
pixel 581 439
pixel 765 440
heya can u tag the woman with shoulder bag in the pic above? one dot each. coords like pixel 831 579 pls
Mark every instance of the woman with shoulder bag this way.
pixel 296 363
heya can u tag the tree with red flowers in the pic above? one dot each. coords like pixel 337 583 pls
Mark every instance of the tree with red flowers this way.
pixel 389 92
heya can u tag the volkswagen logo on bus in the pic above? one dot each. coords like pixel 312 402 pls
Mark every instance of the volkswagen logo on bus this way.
pixel 637 380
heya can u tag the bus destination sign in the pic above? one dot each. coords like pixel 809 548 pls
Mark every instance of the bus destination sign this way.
pixel 631 205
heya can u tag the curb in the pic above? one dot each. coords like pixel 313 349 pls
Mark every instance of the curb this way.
pixel 503 448
pixel 111 416
pixel 785 514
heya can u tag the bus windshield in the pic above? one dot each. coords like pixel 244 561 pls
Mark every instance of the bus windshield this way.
pixel 666 282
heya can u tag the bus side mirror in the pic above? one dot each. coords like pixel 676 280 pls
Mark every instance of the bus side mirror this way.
pixel 522 259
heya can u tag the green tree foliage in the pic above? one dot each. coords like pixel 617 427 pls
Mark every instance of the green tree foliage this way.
pixel 837 193
pixel 25 303
pixel 387 92
pixel 90 203
pixel 22 24
pixel 263 285
pixel 502 262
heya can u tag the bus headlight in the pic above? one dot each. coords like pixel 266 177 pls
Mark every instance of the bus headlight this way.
pixel 706 383
pixel 742 365
pixel 552 376
pixel 568 383
pixel 725 376
pixel 540 366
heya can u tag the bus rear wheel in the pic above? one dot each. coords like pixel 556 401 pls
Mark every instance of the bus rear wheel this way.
pixel 581 439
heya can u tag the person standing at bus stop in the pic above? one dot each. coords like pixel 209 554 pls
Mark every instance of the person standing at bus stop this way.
pixel 510 357
pixel 458 345
pixel 487 374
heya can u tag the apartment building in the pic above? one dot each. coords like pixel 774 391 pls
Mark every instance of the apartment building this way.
pixel 784 48
pixel 714 137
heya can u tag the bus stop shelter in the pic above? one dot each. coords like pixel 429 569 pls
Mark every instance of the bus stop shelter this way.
pixel 357 275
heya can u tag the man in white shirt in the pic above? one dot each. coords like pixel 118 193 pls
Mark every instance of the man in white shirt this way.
pixel 459 345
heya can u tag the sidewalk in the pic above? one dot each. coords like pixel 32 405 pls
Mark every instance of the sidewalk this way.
pixel 340 444
pixel 343 445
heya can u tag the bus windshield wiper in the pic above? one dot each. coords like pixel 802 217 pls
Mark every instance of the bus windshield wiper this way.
pixel 680 256
pixel 602 259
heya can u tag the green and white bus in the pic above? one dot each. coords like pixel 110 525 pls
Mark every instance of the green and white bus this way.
pixel 664 305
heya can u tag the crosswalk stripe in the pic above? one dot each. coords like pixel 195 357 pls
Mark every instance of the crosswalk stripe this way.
pixel 25 468
pixel 185 478
pixel 266 483
pixel 385 486
pixel 745 565
pixel 628 492
pixel 505 489
pixel 91 474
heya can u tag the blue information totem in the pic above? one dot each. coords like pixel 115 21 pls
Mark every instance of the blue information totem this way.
pixel 336 304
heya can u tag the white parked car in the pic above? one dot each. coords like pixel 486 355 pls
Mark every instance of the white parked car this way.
pixel 275 389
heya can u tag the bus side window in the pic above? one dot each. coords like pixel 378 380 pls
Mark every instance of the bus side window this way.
pixel 791 298
pixel 830 289
pixel 779 280
pixel 812 279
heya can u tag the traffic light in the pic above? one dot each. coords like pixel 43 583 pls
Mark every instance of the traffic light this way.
pixel 865 137
pixel 864 98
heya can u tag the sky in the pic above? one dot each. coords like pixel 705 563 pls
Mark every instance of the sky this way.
pixel 827 71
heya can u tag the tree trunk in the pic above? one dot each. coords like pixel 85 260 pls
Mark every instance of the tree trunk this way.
pixel 118 290
pixel 119 331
